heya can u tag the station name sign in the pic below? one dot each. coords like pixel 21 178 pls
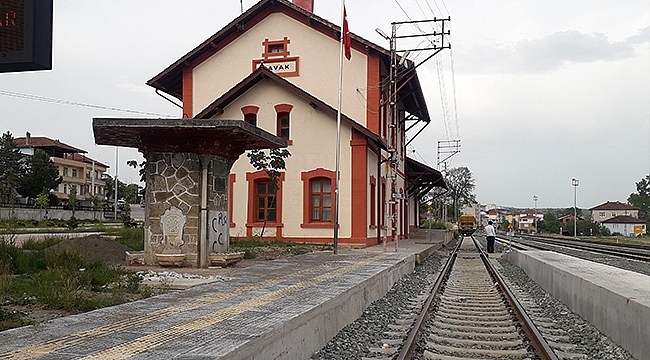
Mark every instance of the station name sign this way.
pixel 25 35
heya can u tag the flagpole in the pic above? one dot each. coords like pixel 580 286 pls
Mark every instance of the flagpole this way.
pixel 338 137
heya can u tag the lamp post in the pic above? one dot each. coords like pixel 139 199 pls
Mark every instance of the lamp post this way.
pixel 535 216
pixel 575 183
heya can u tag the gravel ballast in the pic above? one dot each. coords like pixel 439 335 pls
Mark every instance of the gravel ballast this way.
pixel 355 340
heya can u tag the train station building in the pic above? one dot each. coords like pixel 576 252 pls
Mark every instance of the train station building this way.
pixel 276 67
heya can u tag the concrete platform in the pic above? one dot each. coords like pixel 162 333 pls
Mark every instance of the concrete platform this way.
pixel 281 309
pixel 614 300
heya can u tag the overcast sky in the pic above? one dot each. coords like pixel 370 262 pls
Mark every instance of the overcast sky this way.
pixel 538 92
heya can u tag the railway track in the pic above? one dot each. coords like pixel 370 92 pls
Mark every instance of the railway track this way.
pixel 471 314
pixel 639 253
pixel 464 325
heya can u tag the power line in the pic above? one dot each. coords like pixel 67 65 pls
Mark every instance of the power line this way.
pixel 76 103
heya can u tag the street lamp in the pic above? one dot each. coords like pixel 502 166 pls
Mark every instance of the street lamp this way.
pixel 535 216
pixel 575 183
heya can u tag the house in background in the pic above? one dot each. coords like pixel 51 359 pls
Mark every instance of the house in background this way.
pixel 526 220
pixel 276 67
pixel 612 209
pixel 625 225
pixel 75 168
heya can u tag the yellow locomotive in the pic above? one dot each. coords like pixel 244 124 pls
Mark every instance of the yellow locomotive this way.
pixel 466 225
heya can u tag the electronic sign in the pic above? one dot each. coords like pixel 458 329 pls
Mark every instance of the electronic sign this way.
pixel 25 35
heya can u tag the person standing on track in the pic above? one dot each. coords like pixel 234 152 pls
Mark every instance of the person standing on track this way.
pixel 490 234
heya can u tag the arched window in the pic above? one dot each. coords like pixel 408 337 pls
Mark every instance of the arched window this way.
pixel 283 125
pixel 321 200
pixel 251 119
pixel 283 112
pixel 250 114
pixel 373 201
pixel 265 201
pixel 318 198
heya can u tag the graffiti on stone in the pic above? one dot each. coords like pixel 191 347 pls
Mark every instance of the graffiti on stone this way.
pixel 218 231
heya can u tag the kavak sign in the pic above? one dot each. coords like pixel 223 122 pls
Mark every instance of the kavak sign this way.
pixel 25 35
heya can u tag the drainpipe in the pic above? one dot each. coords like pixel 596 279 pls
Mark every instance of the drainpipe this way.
pixel 203 213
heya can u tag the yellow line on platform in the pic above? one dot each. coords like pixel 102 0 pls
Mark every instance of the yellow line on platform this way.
pixel 37 350
pixel 151 341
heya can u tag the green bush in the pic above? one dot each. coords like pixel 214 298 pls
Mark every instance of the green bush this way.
pixel 434 224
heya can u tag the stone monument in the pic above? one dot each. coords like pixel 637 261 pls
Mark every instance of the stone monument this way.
pixel 188 164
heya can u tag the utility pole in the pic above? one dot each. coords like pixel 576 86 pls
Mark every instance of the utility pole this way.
pixel 400 72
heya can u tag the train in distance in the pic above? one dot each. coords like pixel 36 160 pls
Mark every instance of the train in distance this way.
pixel 467 225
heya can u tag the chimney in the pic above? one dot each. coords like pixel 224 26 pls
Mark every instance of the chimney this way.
pixel 28 137
pixel 305 4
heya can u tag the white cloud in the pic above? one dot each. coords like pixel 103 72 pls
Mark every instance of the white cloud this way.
pixel 546 54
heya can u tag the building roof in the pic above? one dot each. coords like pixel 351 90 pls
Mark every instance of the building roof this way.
pixel 85 159
pixel 262 73
pixel 225 138
pixel 170 80
pixel 614 205
pixel 623 219
pixel 422 178
pixel 48 145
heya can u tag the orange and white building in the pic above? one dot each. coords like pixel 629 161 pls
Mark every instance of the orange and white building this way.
pixel 276 66
pixel 76 169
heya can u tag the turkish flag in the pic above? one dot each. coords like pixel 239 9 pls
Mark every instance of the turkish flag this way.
pixel 346 35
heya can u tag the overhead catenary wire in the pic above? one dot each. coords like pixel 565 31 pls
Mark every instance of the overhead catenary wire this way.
pixel 76 103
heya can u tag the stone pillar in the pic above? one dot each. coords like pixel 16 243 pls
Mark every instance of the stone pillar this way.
pixel 173 208
pixel 218 215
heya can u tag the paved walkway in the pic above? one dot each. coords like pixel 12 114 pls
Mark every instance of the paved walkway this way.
pixel 285 308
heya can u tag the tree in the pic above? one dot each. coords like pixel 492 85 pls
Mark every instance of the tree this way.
pixel 461 186
pixel 73 202
pixel 641 198
pixel 272 163
pixel 11 168
pixel 40 176
pixel 43 201
pixel 142 171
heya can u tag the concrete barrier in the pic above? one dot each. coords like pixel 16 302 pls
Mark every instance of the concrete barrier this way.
pixel 614 300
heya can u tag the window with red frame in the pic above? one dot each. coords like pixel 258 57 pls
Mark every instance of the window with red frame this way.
pixel 321 200
pixel 251 119
pixel 265 206
pixel 283 125
pixel 373 194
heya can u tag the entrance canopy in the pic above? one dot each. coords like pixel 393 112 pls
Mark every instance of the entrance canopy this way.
pixel 422 178
pixel 225 138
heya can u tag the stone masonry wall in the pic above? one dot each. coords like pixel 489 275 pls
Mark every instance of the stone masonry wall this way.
pixel 173 194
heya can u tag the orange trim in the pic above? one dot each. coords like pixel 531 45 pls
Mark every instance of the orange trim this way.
pixel 250 218
pixel 283 108
pixel 306 177
pixel 268 44
pixel 231 192
pixel 359 177
pixel 250 109
pixel 373 202
pixel 374 94
pixel 188 93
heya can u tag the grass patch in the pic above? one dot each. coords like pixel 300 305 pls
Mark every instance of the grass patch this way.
pixel 131 237
pixel 255 248
pixel 59 279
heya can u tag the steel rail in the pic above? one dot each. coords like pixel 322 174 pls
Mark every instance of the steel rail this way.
pixel 624 252
pixel 537 341
pixel 408 348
